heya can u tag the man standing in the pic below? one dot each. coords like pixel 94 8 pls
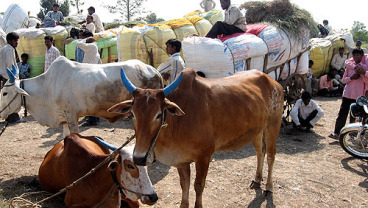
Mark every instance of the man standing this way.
pixel 305 113
pixel 56 15
pixel 355 79
pixel 234 21
pixel 8 58
pixel 174 64
pixel 91 56
pixel 338 60
pixel 96 20
pixel 51 52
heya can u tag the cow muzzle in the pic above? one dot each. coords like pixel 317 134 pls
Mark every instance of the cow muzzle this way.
pixel 144 160
pixel 149 199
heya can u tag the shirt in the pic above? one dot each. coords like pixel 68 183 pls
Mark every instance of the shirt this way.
pixel 7 59
pixel 50 56
pixel 233 16
pixel 328 27
pixel 354 88
pixel 302 110
pixel 338 62
pixel 173 65
pixel 98 23
pixel 91 27
pixel 323 83
pixel 56 16
pixel 91 55
pixel 23 70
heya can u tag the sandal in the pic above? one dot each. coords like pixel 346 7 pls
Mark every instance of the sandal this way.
pixel 333 136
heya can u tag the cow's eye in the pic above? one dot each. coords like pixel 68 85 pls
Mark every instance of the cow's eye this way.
pixel 5 93
pixel 159 116
pixel 130 166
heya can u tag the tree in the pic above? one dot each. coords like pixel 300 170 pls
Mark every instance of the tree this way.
pixel 359 31
pixel 152 18
pixel 77 4
pixel 46 6
pixel 127 8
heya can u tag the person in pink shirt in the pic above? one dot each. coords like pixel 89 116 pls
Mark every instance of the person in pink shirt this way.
pixel 326 85
pixel 356 80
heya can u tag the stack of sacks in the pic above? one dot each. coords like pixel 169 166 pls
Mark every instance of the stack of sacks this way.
pixel 106 33
pixel 31 41
pixel 321 54
pixel 3 41
pixel 102 43
pixel 138 42
pixel 155 38
pixel 210 56
pixel 182 28
pixel 131 45
pixel 323 49
pixel 14 18
pixel 252 46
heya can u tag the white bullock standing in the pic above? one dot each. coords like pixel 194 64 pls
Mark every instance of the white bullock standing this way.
pixel 70 90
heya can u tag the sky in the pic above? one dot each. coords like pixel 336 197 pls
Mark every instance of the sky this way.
pixel 340 15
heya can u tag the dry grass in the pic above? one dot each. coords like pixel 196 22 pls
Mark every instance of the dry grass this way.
pixel 311 170
pixel 280 13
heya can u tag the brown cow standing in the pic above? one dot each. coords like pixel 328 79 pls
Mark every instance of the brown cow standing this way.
pixel 75 156
pixel 220 114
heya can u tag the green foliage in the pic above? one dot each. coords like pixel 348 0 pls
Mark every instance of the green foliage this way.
pixel 280 13
pixel 152 18
pixel 46 6
pixel 359 31
pixel 127 8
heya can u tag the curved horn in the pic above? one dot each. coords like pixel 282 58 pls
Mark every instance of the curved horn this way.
pixel 15 71
pixel 171 87
pixel 110 146
pixel 130 87
pixel 11 76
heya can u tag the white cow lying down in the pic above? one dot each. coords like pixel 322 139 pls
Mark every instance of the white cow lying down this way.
pixel 70 90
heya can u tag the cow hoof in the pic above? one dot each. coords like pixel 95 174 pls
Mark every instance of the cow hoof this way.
pixel 255 185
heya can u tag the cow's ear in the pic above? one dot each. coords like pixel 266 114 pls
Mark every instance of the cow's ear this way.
pixel 21 91
pixel 173 108
pixel 122 108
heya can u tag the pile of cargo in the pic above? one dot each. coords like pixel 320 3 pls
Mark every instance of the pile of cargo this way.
pixel 323 49
pixel 147 42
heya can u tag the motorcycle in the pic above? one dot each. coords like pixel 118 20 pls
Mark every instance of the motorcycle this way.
pixel 354 137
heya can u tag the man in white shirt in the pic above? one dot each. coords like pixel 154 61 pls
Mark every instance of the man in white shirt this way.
pixel 89 24
pixel 89 46
pixel 52 52
pixel 96 20
pixel 8 58
pixel 305 113
pixel 174 64
pixel 327 26
pixel 234 21
pixel 338 60
pixel 91 56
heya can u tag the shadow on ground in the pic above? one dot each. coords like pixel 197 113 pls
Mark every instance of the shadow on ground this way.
pixel 31 189
pixel 361 169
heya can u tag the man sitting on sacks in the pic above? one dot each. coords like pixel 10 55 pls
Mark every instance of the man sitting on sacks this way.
pixel 234 21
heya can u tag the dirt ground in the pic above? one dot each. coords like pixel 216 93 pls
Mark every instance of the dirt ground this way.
pixel 311 170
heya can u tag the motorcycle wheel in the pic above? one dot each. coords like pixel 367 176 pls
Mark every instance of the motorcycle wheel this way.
pixel 350 142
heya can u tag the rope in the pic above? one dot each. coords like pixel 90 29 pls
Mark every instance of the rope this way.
pixel 3 129
pixel 37 204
